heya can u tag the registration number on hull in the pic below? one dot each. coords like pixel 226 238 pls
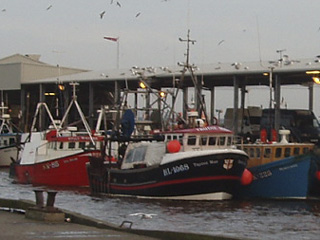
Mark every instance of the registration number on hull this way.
pixel 175 169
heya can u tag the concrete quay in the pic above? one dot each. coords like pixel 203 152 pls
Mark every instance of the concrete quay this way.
pixel 15 224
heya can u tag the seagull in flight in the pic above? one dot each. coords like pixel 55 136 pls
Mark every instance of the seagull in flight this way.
pixel 222 41
pixel 143 215
pixel 102 14
pixel 138 14
pixel 48 8
pixel 118 4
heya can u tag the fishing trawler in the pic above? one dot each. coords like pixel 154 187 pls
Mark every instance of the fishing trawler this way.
pixel 198 163
pixel 9 138
pixel 192 162
pixel 57 156
pixel 281 170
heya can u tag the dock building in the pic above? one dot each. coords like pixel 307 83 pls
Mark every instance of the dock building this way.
pixel 25 81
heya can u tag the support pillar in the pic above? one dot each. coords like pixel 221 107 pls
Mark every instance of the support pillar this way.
pixel 277 96
pixel 185 102
pixel 212 104
pixel 22 120
pixel 235 105
pixel 136 104
pixel 198 96
pixel 148 106
pixel 311 96
pixel 242 106
pixel 116 93
pixel 91 97
pixel 41 99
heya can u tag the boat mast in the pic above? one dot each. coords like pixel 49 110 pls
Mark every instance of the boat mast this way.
pixel 83 119
pixel 200 105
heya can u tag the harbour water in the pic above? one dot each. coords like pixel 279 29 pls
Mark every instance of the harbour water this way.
pixel 240 219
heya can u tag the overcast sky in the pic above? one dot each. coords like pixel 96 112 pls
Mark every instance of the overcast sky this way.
pixel 70 32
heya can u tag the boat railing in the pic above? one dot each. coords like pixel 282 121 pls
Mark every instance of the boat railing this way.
pixel 265 153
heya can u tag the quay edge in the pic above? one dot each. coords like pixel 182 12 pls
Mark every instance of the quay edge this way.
pixel 80 219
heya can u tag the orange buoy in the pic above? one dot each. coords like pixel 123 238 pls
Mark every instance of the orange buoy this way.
pixel 173 146
pixel 246 177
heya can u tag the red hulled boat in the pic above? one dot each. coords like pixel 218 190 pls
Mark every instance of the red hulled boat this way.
pixel 58 155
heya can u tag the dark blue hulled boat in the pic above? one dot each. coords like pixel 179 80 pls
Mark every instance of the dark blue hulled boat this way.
pixel 282 171
pixel 190 164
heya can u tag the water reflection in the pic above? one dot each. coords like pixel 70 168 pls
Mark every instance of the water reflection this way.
pixel 244 219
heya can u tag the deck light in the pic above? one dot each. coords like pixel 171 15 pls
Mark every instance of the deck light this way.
pixel 61 87
pixel 142 85
pixel 162 94
pixel 316 80
pixel 313 72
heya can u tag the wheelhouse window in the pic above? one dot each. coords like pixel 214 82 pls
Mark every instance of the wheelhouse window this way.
pixel 71 145
pixel 192 140
pixel 267 153
pixel 82 145
pixel 287 152
pixel 222 141
pixel 258 152
pixel 229 141
pixel 305 150
pixel 169 137
pixel 203 140
pixel 251 153
pixel 136 154
pixel 296 151
pixel 278 152
pixel 212 141
pixel 12 141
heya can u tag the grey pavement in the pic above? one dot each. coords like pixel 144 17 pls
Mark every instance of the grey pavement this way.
pixel 16 226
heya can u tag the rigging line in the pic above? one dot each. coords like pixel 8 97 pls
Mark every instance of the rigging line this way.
pixel 188 15
pixel 259 41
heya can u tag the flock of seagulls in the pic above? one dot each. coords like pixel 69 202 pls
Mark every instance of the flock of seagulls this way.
pixel 118 4
pixel 101 14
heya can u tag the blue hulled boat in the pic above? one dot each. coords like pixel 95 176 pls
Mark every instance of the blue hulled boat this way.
pixel 282 171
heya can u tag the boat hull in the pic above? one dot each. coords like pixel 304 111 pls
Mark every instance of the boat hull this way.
pixel 211 177
pixel 66 171
pixel 290 178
